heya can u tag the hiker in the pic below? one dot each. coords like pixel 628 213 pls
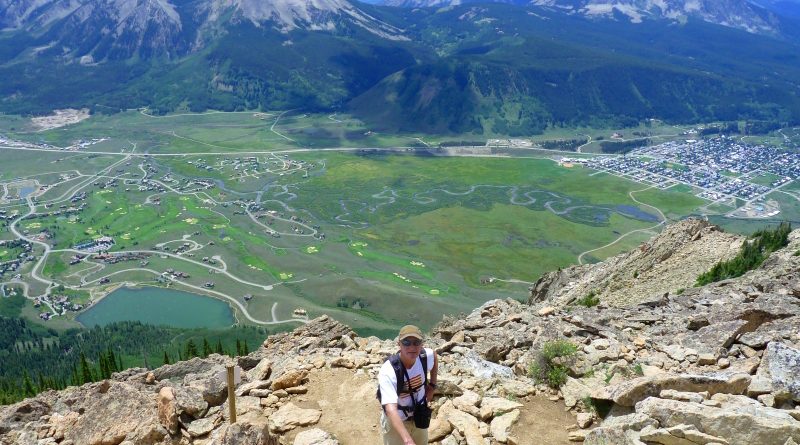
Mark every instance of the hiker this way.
pixel 405 390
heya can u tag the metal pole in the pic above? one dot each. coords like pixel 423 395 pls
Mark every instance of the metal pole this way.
pixel 231 395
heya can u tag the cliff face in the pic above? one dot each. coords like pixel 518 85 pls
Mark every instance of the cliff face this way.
pixel 668 262
pixel 718 364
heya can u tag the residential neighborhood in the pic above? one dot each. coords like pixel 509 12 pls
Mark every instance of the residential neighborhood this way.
pixel 719 169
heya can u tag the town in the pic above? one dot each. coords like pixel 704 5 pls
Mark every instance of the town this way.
pixel 720 169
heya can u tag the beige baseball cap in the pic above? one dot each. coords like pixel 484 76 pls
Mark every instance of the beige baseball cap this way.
pixel 410 330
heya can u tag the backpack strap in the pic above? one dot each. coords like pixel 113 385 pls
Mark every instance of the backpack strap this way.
pixel 423 357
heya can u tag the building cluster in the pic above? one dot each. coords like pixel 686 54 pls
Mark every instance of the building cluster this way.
pixel 59 303
pixel 23 247
pixel 721 167
pixel 114 258
pixel 175 274
pixel 100 244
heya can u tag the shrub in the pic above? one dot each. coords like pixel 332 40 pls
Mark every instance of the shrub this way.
pixel 754 251
pixel 590 300
pixel 548 366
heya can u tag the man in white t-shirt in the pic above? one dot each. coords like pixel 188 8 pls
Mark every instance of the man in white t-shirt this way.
pixel 397 422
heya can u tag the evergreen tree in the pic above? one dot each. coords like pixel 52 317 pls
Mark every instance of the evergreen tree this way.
pixel 86 373
pixel 112 361
pixel 245 348
pixel 166 358
pixel 206 348
pixel 27 385
pixel 191 349
pixel 103 364
pixel 219 347
pixel 238 347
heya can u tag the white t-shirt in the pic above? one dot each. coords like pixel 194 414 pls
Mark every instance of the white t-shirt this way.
pixel 387 382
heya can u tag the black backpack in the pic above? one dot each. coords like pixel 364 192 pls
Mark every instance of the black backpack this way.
pixel 399 372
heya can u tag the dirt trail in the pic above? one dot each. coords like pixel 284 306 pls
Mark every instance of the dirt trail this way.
pixel 350 411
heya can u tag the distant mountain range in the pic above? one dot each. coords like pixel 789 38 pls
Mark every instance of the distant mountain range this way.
pixel 498 68
pixel 740 14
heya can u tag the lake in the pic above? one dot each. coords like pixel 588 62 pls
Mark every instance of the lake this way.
pixel 158 306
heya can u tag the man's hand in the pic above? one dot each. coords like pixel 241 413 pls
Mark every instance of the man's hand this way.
pixel 409 441
pixel 429 392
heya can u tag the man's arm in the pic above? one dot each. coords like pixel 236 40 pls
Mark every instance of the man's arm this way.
pixel 434 378
pixel 397 423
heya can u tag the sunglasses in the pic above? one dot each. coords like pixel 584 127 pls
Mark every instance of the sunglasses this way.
pixel 407 342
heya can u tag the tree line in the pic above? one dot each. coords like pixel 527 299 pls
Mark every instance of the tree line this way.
pixel 34 359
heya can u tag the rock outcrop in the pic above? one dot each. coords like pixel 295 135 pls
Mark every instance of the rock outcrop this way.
pixel 668 262
pixel 718 364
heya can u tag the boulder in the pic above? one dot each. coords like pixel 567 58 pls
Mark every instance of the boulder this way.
pixel 134 414
pixel 501 425
pixel 289 379
pixel 168 410
pixel 190 401
pixel 315 436
pixel 680 435
pixel 584 420
pixel 611 436
pixel 709 339
pixel 745 425
pixel 291 416
pixel 250 430
pixel 780 371
pixel 262 370
pixel 212 384
pixel 201 427
pixel 573 391
pixel 439 428
pixel 17 415
pixel 194 365
pixel 495 406
pixel 468 402
pixel 467 425
pixel 482 369
pixel 630 392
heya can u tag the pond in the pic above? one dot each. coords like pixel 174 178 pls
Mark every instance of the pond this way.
pixel 159 306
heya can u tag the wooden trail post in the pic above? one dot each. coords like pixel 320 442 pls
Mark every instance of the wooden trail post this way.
pixel 231 395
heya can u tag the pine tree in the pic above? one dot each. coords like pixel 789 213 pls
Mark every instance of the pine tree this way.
pixel 166 358
pixel 238 347
pixel 245 348
pixel 206 348
pixel 27 385
pixel 112 361
pixel 103 364
pixel 191 349
pixel 219 347
pixel 86 373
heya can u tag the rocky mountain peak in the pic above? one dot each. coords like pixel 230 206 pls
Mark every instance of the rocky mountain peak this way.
pixel 287 15
pixel 668 262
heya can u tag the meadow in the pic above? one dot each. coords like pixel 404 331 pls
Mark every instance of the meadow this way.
pixel 375 239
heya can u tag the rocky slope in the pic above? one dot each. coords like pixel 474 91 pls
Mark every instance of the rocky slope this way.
pixel 714 365
pixel 667 263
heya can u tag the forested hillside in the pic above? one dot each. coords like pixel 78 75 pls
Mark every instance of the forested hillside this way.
pixel 33 359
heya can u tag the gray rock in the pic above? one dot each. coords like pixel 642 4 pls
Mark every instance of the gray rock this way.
pixel 739 426
pixel 315 436
pixel 200 427
pixel 780 366
pixel 630 392
pixel 190 400
pixel 482 369
pixel 710 338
